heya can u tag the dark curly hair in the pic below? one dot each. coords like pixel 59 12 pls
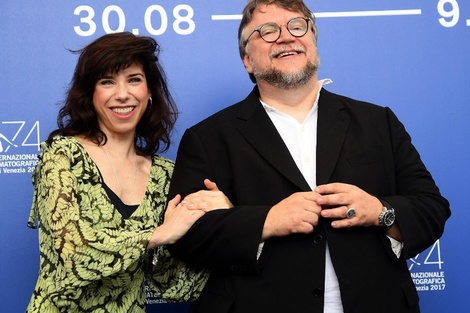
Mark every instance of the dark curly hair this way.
pixel 110 54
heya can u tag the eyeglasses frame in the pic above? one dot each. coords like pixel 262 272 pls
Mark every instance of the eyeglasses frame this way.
pixel 258 29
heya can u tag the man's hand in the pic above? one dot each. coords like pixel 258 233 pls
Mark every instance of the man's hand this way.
pixel 298 213
pixel 338 197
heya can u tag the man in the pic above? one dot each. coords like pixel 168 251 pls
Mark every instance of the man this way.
pixel 330 195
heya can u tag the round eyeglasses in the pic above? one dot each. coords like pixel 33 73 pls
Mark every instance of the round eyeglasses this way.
pixel 270 32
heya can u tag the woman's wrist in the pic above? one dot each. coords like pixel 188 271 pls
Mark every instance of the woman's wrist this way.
pixel 158 238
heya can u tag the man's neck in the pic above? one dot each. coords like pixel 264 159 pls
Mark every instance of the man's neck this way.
pixel 296 102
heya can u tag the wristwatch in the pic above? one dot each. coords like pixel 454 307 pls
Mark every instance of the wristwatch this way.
pixel 387 217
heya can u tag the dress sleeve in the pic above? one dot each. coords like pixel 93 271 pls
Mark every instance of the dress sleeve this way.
pixel 174 280
pixel 171 279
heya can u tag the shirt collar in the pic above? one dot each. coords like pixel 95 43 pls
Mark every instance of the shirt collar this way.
pixel 321 83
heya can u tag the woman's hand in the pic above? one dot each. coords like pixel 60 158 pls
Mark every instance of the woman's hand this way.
pixel 207 200
pixel 178 219
pixel 180 216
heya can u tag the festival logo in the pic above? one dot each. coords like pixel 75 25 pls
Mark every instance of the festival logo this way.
pixel 427 269
pixel 19 147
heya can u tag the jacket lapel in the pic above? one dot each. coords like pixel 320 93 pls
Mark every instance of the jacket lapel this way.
pixel 333 122
pixel 257 128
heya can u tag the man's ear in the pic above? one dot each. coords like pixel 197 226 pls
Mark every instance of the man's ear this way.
pixel 247 64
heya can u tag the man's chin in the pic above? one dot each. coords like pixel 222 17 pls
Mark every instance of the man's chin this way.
pixel 287 80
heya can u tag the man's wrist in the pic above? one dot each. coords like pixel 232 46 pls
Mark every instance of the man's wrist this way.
pixel 386 218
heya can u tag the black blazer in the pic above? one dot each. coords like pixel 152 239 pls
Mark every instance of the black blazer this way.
pixel 357 143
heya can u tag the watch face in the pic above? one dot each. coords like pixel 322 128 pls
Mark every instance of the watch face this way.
pixel 389 218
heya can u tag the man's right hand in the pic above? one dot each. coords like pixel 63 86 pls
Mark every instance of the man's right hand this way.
pixel 298 213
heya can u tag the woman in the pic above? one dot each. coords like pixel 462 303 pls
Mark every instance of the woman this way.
pixel 100 189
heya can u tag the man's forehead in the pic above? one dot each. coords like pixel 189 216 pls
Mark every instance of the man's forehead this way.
pixel 272 13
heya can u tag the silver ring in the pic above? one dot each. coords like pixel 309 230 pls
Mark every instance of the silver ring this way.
pixel 350 213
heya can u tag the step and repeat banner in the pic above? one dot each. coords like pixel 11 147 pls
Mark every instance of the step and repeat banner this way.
pixel 410 55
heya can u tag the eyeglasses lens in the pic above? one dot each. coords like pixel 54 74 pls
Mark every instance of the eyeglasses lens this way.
pixel 297 27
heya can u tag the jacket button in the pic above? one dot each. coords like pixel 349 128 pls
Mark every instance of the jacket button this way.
pixel 318 292
pixel 318 239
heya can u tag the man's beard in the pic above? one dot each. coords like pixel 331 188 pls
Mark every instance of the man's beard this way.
pixel 287 80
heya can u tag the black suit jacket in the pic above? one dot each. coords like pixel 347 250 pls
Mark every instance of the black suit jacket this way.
pixel 357 143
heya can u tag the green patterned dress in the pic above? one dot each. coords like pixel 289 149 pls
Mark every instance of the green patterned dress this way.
pixel 91 258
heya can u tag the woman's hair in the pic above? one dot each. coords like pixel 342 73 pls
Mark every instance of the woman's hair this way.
pixel 247 16
pixel 107 55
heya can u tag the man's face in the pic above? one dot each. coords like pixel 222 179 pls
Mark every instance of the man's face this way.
pixel 288 62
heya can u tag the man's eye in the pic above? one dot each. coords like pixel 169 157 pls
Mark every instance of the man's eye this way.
pixel 269 29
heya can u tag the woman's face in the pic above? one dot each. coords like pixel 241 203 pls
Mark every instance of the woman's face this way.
pixel 120 100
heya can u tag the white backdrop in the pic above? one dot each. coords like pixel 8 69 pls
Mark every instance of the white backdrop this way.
pixel 410 55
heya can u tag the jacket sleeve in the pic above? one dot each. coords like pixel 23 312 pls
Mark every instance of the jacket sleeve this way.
pixel 420 209
pixel 225 239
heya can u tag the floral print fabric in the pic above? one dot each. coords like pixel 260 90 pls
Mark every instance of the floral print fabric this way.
pixel 91 258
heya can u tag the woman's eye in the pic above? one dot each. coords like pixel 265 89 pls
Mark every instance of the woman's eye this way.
pixel 105 82
pixel 135 80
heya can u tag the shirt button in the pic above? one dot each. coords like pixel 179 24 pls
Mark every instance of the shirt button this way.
pixel 318 292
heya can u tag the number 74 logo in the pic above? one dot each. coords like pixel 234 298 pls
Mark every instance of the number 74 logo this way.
pixel 432 257
pixel 31 139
